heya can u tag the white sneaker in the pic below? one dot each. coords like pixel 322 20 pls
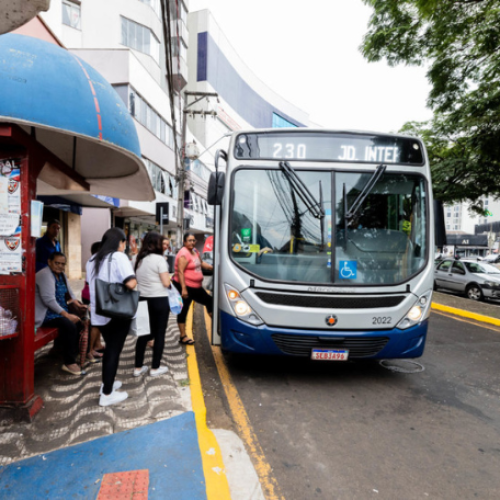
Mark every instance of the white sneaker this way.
pixel 158 371
pixel 113 398
pixel 142 371
pixel 117 384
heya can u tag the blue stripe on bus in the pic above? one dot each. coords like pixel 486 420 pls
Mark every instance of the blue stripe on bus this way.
pixel 240 337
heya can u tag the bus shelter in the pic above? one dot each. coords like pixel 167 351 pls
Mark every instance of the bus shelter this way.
pixel 63 130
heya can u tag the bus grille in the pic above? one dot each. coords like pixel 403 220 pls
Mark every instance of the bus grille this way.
pixel 301 345
pixel 325 302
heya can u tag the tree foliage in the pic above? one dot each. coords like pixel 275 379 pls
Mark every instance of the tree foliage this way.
pixel 460 43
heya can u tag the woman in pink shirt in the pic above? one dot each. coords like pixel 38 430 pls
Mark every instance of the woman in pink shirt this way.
pixel 188 280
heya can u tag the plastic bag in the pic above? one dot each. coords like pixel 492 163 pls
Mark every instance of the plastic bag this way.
pixel 174 300
pixel 140 324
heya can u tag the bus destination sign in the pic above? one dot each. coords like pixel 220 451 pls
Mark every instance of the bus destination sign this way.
pixel 324 146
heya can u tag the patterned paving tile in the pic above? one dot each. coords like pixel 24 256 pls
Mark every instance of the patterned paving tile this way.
pixel 71 412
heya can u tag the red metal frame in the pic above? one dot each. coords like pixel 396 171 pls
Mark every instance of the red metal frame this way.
pixel 17 356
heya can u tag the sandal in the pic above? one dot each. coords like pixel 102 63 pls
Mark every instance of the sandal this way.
pixel 93 359
pixel 186 340
pixel 78 373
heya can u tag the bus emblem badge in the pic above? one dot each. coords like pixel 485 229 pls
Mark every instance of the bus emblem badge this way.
pixel 331 320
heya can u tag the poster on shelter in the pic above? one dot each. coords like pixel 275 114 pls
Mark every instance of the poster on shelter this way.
pixel 10 183
pixel 15 191
pixel 4 194
pixel 8 224
pixel 11 253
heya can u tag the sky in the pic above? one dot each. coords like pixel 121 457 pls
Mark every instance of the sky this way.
pixel 308 52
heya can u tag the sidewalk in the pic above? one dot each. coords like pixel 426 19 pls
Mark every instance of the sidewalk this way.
pixel 154 445
pixel 470 308
pixel 153 429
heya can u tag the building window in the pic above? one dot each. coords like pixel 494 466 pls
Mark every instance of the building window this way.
pixel 448 226
pixel 448 214
pixel 280 122
pixel 178 14
pixel 162 181
pixel 154 4
pixel 486 202
pixel 179 49
pixel 148 117
pixel 71 14
pixel 138 37
pixel 200 169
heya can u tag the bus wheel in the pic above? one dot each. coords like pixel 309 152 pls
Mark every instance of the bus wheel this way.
pixel 474 292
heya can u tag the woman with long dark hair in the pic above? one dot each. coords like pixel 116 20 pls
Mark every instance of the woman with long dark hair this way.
pixel 153 281
pixel 113 330
pixel 188 280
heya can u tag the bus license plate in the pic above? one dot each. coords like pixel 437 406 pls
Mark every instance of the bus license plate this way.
pixel 330 354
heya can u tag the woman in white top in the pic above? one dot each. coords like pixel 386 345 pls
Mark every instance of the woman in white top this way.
pixel 113 330
pixel 153 283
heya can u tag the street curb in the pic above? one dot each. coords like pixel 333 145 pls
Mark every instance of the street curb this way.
pixel 466 314
pixel 217 486
pixel 269 487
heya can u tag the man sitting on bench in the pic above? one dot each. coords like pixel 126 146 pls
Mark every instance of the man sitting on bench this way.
pixel 52 296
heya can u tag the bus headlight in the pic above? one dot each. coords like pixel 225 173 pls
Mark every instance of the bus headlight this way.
pixel 240 306
pixel 417 312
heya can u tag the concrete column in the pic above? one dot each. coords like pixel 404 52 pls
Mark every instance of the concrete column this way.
pixel 74 247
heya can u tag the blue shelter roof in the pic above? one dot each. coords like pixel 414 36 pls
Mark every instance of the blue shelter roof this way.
pixel 76 114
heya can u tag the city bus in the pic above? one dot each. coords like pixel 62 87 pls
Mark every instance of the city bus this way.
pixel 323 245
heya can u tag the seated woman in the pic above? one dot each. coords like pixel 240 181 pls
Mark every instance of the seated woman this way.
pixel 51 309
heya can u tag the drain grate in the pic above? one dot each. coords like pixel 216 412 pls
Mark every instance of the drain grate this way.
pixel 402 365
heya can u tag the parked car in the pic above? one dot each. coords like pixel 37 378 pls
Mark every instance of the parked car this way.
pixel 477 280
pixel 493 258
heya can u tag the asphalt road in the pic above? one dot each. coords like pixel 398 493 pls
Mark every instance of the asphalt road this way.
pixel 353 430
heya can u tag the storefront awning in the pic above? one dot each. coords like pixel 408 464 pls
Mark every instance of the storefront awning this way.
pixel 75 202
pixel 75 114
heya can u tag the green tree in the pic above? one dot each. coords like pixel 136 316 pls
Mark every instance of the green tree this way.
pixel 459 41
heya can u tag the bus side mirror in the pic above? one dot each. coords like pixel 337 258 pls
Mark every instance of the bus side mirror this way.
pixel 439 226
pixel 216 188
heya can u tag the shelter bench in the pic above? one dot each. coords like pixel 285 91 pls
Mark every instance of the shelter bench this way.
pixel 44 335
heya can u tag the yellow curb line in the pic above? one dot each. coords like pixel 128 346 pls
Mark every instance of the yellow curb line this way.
pixel 214 470
pixel 245 430
pixel 466 314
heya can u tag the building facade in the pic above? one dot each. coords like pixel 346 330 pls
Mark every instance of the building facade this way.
pixel 127 42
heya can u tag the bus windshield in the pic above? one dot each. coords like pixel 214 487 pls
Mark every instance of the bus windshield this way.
pixel 275 236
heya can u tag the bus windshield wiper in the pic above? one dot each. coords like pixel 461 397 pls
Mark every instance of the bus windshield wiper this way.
pixel 314 207
pixel 358 202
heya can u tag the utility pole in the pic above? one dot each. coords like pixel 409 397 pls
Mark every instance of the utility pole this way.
pixel 181 174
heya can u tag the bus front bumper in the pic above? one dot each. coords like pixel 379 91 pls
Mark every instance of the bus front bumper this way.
pixel 240 337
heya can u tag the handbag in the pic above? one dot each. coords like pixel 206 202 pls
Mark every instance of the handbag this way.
pixel 140 324
pixel 174 300
pixel 115 300
pixel 76 308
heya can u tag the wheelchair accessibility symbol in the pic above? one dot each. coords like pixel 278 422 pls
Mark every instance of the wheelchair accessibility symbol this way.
pixel 348 269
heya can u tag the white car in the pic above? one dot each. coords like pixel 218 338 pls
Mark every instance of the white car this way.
pixel 493 258
pixel 477 280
